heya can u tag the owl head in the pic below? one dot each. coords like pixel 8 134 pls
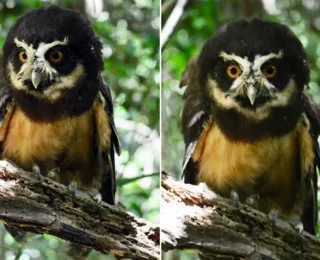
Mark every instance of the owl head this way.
pixel 51 52
pixel 253 66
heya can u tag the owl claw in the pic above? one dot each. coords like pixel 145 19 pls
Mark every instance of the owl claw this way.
pixel 36 170
pixel 53 173
pixel 73 189
pixel 252 201
pixel 235 198
pixel 298 227
pixel 97 198
pixel 273 215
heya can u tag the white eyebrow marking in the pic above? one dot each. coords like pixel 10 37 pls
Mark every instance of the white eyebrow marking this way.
pixel 44 47
pixel 30 54
pixel 22 44
pixel 260 60
pixel 243 62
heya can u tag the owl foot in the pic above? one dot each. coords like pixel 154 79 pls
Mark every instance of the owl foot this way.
pixel 297 226
pixel 97 198
pixel 273 215
pixel 95 195
pixel 53 173
pixel 234 196
pixel 252 201
pixel 73 188
pixel 36 171
pixel 35 168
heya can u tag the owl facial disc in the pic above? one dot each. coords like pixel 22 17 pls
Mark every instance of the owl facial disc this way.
pixel 37 64
pixel 251 82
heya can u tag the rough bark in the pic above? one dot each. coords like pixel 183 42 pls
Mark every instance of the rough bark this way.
pixel 193 217
pixel 47 207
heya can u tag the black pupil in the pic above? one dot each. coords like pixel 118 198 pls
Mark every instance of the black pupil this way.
pixel 270 70
pixel 24 56
pixel 233 71
pixel 55 56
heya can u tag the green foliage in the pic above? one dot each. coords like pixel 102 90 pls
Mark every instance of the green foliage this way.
pixel 129 31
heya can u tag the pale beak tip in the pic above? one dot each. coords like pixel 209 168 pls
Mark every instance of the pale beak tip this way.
pixel 252 94
pixel 35 79
pixel 35 85
pixel 252 101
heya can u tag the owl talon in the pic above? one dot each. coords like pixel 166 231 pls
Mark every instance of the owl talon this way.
pixel 53 173
pixel 73 188
pixel 97 198
pixel 252 201
pixel 273 215
pixel 298 227
pixel 235 198
pixel 36 171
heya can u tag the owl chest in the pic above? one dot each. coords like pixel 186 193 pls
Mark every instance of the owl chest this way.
pixel 248 167
pixel 66 143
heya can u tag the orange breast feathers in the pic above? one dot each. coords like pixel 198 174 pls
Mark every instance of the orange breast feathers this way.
pixel 267 167
pixel 68 143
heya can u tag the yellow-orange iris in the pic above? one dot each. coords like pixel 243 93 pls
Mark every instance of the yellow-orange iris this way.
pixel 23 56
pixel 55 56
pixel 234 71
pixel 269 70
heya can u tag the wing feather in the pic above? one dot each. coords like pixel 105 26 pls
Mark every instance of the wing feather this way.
pixel 195 115
pixel 5 94
pixel 310 214
pixel 108 187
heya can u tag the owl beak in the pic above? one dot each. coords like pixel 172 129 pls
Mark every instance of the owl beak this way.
pixel 35 78
pixel 252 94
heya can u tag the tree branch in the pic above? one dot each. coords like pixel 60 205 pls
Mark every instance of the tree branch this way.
pixel 193 217
pixel 125 181
pixel 172 22
pixel 48 207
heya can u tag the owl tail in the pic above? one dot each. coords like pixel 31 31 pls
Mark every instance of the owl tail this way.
pixel 18 234
pixel 77 251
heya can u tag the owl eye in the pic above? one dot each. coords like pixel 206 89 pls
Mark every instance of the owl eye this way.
pixel 55 56
pixel 269 70
pixel 234 71
pixel 23 57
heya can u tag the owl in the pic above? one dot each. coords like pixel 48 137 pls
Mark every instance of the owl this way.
pixel 248 127
pixel 56 110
